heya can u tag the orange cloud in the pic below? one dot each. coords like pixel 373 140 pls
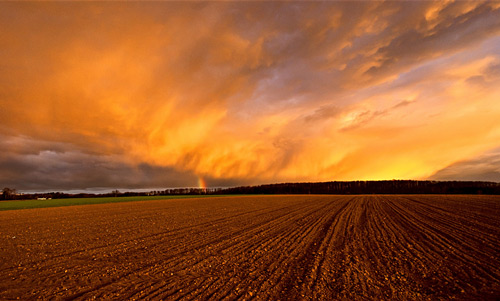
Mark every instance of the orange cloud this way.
pixel 239 93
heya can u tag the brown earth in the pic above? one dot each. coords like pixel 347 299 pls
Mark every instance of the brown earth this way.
pixel 262 247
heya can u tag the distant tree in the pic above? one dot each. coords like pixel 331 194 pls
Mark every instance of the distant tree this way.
pixel 8 193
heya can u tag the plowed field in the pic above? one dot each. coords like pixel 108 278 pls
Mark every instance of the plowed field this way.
pixel 262 247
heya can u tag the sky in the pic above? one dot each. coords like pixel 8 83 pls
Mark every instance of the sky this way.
pixel 194 94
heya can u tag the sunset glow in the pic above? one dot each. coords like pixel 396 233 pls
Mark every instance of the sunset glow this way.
pixel 170 94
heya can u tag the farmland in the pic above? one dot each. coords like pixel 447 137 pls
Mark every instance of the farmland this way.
pixel 33 204
pixel 269 247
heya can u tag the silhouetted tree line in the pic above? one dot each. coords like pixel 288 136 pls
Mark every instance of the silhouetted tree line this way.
pixel 11 194
pixel 371 187
pixel 8 193
pixel 351 187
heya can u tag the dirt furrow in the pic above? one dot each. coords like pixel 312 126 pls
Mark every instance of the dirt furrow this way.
pixel 235 236
pixel 458 245
pixel 285 248
pixel 263 247
pixel 227 238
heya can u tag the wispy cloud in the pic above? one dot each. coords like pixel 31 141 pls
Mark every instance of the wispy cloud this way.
pixel 485 167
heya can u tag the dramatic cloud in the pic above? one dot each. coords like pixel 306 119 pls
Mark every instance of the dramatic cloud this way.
pixel 59 166
pixel 161 94
pixel 485 167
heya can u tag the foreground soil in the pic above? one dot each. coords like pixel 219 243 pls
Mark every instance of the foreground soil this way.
pixel 256 247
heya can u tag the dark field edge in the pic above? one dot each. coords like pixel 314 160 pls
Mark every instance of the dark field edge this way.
pixel 35 204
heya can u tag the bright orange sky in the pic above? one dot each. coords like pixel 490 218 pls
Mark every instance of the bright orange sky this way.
pixel 169 94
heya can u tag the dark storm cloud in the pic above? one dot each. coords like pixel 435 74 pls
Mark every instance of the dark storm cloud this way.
pixel 40 165
pixel 457 30
pixel 483 168
pixel 68 171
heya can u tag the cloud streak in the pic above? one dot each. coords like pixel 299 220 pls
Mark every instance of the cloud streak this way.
pixel 244 93
pixel 485 167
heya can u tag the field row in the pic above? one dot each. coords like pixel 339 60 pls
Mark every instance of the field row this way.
pixel 271 247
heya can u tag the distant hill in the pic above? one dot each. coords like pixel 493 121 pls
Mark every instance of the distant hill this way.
pixel 371 187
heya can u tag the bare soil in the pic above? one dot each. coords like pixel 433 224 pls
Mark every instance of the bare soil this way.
pixel 256 247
